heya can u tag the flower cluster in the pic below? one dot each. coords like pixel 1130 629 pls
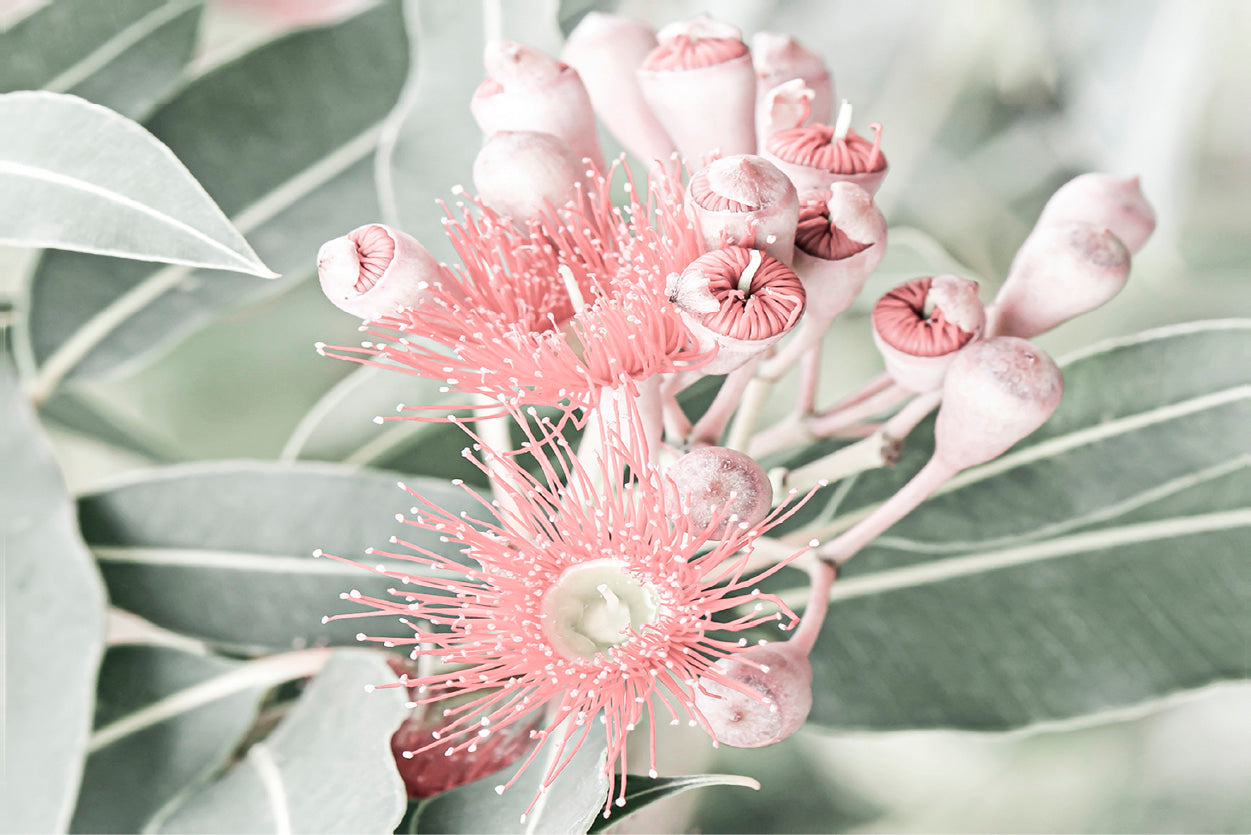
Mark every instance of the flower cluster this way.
pixel 606 583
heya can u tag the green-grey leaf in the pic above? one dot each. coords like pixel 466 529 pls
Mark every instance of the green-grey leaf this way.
pixel 572 11
pixel 643 791
pixel 165 720
pixel 283 139
pixel 125 56
pixel 569 805
pixel 75 175
pixel 327 768
pixel 54 626
pixel 241 535
pixel 1099 565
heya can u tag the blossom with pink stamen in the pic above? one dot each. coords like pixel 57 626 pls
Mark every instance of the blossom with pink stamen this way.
pixel 573 596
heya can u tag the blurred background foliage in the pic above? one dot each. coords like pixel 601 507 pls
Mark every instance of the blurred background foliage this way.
pixel 987 108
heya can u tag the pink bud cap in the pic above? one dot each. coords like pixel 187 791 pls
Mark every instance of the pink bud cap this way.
pixel 718 486
pixel 428 769
pixel 738 301
pixel 375 270
pixel 746 201
pixel 780 58
pixel 518 173
pixel 839 241
pixel 921 325
pixel 1115 203
pixel 607 51
pixel 786 106
pixel 814 157
pixel 758 697
pixel 527 90
pixel 996 392
pixel 700 84
pixel 1060 272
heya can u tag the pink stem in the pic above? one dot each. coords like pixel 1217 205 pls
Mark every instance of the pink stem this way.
pixel 809 378
pixel 821 575
pixel 878 383
pixel 708 429
pixel 907 418
pixel 829 422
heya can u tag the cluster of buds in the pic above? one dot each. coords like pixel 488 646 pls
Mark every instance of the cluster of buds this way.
pixel 609 579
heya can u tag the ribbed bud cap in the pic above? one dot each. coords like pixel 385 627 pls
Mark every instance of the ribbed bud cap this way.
pixel 375 270
pixel 922 324
pixel 744 200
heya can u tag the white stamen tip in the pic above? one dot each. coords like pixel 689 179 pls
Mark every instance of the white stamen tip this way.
pixel 844 120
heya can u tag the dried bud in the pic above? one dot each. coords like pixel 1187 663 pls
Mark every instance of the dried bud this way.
pixel 816 156
pixel 996 393
pixel 607 51
pixel 1114 203
pixel 758 697
pixel 746 201
pixel 518 173
pixel 1060 272
pixel 739 301
pixel 718 486
pixel 780 58
pixel 921 325
pixel 526 90
pixel 700 84
pixel 375 270
pixel 839 241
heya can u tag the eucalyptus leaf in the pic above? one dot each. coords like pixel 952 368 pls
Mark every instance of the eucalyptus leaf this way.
pixel 569 805
pixel 75 175
pixel 166 719
pixel 242 535
pixel 126 56
pixel 54 609
pixel 572 11
pixel 643 791
pixel 283 138
pixel 328 767
pixel 1098 566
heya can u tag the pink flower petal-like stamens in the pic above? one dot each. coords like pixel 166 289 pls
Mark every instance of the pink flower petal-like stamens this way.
pixel 573 596
pixel 920 327
pixel 816 235
pixel 684 52
pixel 900 318
pixel 815 156
pixel 375 270
pixel 376 249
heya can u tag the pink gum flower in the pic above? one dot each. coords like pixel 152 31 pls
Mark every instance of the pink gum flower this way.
pixel 521 173
pixel 591 601
pixel 700 84
pixel 1114 203
pixel 839 241
pixel 779 58
pixel 815 157
pixel 921 326
pixel 527 90
pixel 607 51
pixel 1061 271
pixel 739 302
pixel 744 200
pixel 375 270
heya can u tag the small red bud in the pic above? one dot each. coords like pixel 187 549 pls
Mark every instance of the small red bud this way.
pixel 758 697
pixel 1114 203
pixel 519 173
pixel 718 486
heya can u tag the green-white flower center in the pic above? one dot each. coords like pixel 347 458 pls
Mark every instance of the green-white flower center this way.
pixel 595 606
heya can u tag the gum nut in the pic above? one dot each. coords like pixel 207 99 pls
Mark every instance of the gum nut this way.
pixel 527 90
pixel 518 173
pixel 768 700
pixel 607 51
pixel 745 200
pixel 718 486
pixel 839 241
pixel 996 392
pixel 780 58
pixel 921 325
pixel 375 270
pixel 1060 272
pixel 1115 203
pixel 786 106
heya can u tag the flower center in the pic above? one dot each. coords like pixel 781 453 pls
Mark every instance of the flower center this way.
pixel 595 606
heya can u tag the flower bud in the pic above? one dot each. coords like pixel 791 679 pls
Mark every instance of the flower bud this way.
pixel 526 90
pixel 700 84
pixel 738 301
pixel 744 200
pixel 780 58
pixel 1114 203
pixel 718 486
pixel 839 241
pixel 375 270
pixel 1060 272
pixel 607 51
pixel 439 767
pixel 758 697
pixel 817 155
pixel 518 173
pixel 921 325
pixel 995 393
